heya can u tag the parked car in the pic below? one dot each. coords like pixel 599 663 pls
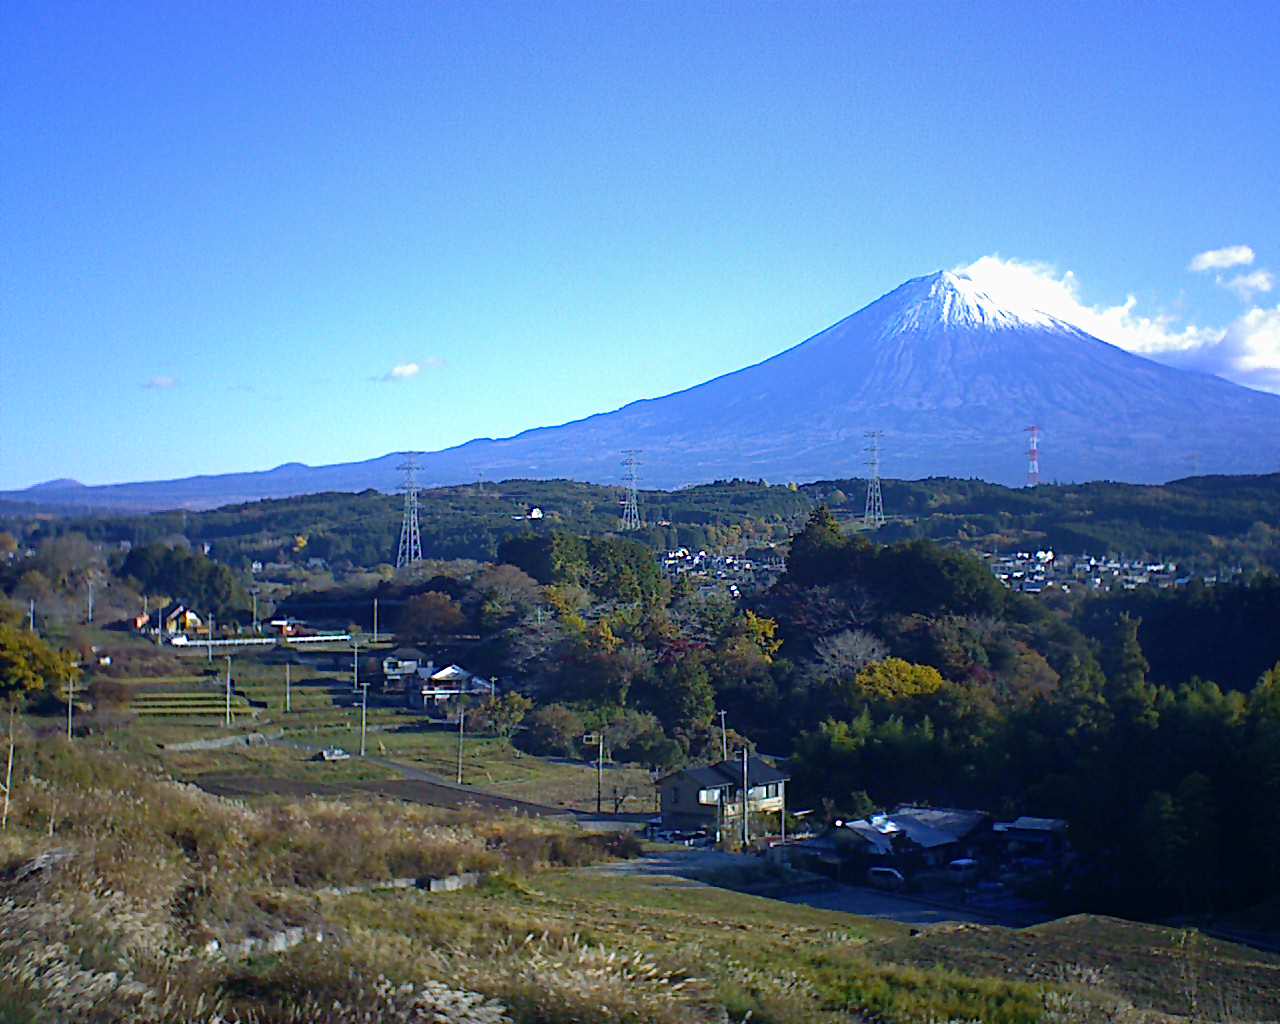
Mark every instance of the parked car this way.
pixel 963 870
pixel 886 878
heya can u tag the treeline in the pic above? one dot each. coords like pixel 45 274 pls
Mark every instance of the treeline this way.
pixel 1203 521
pixel 463 522
pixel 188 577
pixel 1172 791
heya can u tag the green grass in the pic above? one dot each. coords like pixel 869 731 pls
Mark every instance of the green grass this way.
pixel 493 764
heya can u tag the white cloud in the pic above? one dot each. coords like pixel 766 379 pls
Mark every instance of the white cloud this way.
pixel 1248 285
pixel 161 383
pixel 407 371
pixel 1247 350
pixel 1041 287
pixel 1222 259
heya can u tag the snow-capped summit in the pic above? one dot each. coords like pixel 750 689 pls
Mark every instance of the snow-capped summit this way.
pixel 949 367
pixel 951 298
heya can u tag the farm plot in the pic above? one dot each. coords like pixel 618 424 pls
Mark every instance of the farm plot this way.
pixel 190 704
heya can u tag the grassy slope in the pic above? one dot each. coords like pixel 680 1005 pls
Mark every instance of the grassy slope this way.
pixel 549 943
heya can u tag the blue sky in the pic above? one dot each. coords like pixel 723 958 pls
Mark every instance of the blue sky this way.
pixel 226 224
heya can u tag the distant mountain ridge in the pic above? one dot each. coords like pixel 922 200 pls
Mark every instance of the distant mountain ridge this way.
pixel 949 373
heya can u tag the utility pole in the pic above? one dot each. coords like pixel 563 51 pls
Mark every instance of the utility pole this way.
pixel 31 614
pixel 288 695
pixel 71 691
pixel 746 825
pixel 375 620
pixel 462 717
pixel 724 739
pixel 600 773
pixel 228 691
pixel 254 592
pixel 355 665
pixel 782 818
pixel 364 714
pixel 210 658
pixel 90 616
pixel 8 777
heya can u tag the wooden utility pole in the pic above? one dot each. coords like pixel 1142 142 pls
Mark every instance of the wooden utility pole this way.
pixel 782 817
pixel 8 777
pixel 462 716
pixel 364 713
pixel 600 772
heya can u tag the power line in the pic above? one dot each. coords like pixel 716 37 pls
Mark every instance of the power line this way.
pixel 410 539
pixel 873 513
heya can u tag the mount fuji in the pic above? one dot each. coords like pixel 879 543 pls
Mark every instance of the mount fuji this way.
pixel 951 375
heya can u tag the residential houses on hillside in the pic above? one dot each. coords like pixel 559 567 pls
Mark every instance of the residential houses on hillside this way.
pixel 425 687
pixel 1033 572
pixel 725 573
pixel 919 843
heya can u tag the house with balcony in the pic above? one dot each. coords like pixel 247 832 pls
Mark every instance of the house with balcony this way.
pixel 711 796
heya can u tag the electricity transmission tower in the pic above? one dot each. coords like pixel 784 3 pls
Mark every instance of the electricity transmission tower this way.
pixel 410 540
pixel 631 503
pixel 1033 456
pixel 873 514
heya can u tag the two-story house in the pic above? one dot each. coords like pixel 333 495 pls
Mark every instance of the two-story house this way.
pixel 711 797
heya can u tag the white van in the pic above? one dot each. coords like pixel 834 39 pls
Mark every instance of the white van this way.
pixel 886 878
pixel 964 870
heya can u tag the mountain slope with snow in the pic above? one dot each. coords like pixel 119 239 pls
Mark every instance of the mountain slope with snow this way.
pixel 951 374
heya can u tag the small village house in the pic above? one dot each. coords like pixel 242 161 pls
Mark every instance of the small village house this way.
pixel 710 797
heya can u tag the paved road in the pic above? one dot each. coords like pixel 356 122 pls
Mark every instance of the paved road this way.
pixel 707 866
pixel 874 903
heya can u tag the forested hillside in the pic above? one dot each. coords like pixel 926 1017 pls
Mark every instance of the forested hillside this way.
pixel 1203 521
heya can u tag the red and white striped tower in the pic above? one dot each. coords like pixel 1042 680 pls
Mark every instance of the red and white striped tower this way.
pixel 1033 457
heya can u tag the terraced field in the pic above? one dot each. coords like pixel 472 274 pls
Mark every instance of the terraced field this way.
pixel 190 704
